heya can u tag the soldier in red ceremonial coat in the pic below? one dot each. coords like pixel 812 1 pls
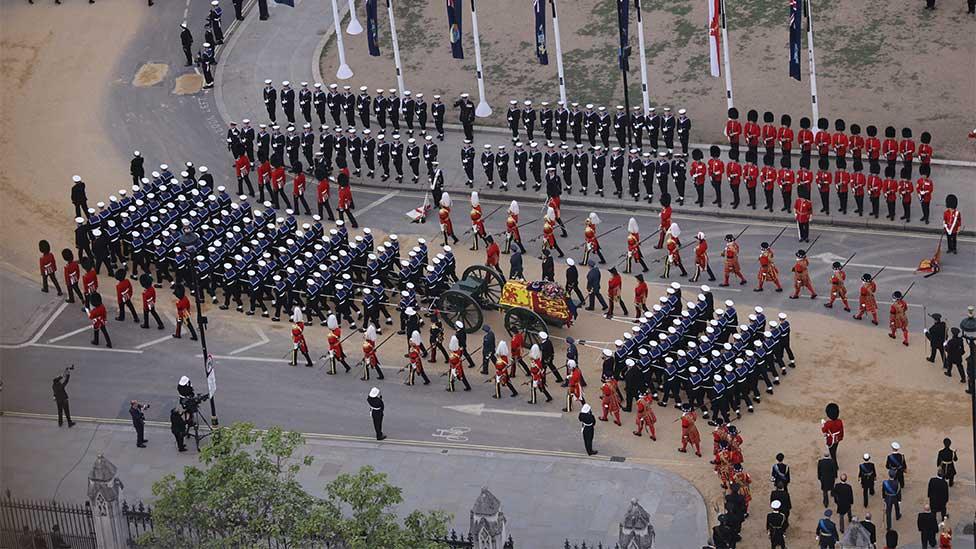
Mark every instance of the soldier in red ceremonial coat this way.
pixel 832 429
pixel 183 312
pixel 867 302
pixel 298 338
pixel 838 287
pixel 898 317
pixel 767 268
pixel 49 268
pixel 801 276
pixel 336 354
pixel 123 294
pixel 98 317
pixel 645 416
pixel 611 403
pixel 689 432
pixel 633 246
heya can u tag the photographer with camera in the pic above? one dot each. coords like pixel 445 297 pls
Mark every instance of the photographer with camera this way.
pixel 189 403
pixel 59 385
pixel 139 421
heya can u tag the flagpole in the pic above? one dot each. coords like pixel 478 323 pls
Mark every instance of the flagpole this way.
pixel 643 59
pixel 813 63
pixel 559 56
pixel 396 47
pixel 483 109
pixel 354 27
pixel 725 54
pixel 344 71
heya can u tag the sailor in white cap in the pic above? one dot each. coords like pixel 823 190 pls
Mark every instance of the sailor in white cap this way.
pixel 348 104
pixel 364 104
pixel 514 116
pixel 488 164
pixel 437 111
pixel 668 124
pixel 587 423
pixel 304 99
pixel 375 403
pixel 288 101
pixel 215 24
pixel 528 119
pixel 684 130
pixel 393 105
pixel 270 99
pixel 78 196
pixel 465 115
pixel 776 524
pixel 430 155
pixel 897 463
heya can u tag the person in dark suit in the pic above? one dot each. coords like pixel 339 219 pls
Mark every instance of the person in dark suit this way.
pixel 938 494
pixel 139 421
pixel 928 527
pixel 572 279
pixel 58 385
pixel 593 287
pixel 936 334
pixel 177 426
pixel 871 529
pixel 375 402
pixel 827 475
pixel 844 499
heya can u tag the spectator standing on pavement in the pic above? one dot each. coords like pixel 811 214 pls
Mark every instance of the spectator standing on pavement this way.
pixel 61 396
pixel 139 421
pixel 375 402
pixel 177 425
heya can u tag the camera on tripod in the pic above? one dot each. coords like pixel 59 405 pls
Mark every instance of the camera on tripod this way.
pixel 189 399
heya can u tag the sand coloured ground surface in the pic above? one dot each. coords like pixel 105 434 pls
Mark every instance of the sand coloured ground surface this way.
pixel 894 63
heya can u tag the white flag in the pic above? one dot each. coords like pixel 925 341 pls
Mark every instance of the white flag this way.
pixel 714 40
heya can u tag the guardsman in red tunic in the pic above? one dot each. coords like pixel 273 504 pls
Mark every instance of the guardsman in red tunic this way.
pixel 298 189
pixel 264 179
pixel 825 180
pixel 665 220
pixel 838 287
pixel 640 296
pixel 822 138
pixel 906 190
pixel 345 204
pixel 673 245
pixel 701 259
pixel 89 281
pixel 752 134
pixel 803 212
pixel 805 138
pixel 839 143
pixel 416 367
pixel 924 188
pixel 242 167
pixel 689 432
pixel 751 175
pixel 832 429
pixel 733 129
pixel 889 147
pixel 801 276
pixel 492 254
pixel 574 387
pixel 698 171
pixel 456 369
pixel 512 228
pixel 322 198
pixel 298 338
pixel 336 354
pixel 842 180
pixel 97 315
pixel 951 223
pixel 645 416
pixel 767 268
pixel 875 186
pixel 501 371
pixel 715 170
pixel 592 242
pixel 731 255
pixel 549 232
pixel 447 227
pixel 183 312
pixel 614 287
pixel 786 178
pixel 872 145
pixel 633 246
pixel 925 149
pixel 49 267
pixel 518 341
pixel 278 186
pixel 769 177
pixel 906 149
pixel 898 317
pixel 859 182
pixel 477 221
pixel 611 403
pixel 785 135
pixel 538 375
pixel 149 302
pixel 867 302
pixel 804 182
pixel 891 188
pixel 72 274
pixel 123 293
pixel 733 172
pixel 769 133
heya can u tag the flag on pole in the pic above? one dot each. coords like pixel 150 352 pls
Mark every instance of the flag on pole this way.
pixel 623 21
pixel 289 3
pixel 372 28
pixel 539 7
pixel 454 24
pixel 796 33
pixel 714 40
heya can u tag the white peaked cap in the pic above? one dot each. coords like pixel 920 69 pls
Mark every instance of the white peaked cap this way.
pixel 184 381
pixel 371 332
pixel 474 198
pixel 595 219
pixel 543 336
pixel 729 303
pixel 296 315
pixel 632 226
pixel 415 338
pixel 332 322
pixel 446 200
pixel 674 229
pixel 514 207
pixel 585 409
pixel 459 325
pixel 570 262
pixel 700 235
pixel 502 349
pixel 535 351
pixel 570 364
pixel 374 392
pixel 453 345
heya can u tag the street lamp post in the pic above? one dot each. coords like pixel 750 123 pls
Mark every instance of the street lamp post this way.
pixel 190 242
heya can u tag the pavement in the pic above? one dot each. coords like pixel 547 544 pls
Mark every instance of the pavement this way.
pixel 257 53
pixel 430 476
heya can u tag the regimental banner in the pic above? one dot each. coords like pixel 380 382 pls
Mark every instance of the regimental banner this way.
pixel 372 29
pixel 623 22
pixel 796 33
pixel 541 53
pixel 714 36
pixel 454 24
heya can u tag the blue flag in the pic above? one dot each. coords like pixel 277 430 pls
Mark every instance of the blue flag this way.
pixel 372 28
pixel 796 36
pixel 289 3
pixel 539 7
pixel 454 24
pixel 623 21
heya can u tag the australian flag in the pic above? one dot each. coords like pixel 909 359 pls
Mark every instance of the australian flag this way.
pixel 539 8
pixel 372 29
pixel 454 24
pixel 796 34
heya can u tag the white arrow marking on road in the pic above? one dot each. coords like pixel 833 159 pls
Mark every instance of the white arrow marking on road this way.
pixel 377 202
pixel 828 257
pixel 478 409
pixel 264 339
pixel 69 334
pixel 155 341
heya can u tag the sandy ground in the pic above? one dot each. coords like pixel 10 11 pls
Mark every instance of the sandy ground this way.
pixel 866 61
pixel 55 73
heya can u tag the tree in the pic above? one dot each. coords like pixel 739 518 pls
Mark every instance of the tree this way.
pixel 248 492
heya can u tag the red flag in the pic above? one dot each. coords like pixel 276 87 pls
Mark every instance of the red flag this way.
pixel 714 38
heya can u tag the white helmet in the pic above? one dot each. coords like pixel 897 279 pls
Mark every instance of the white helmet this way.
pixel 535 352
pixel 632 226
pixel 474 198
pixel 514 207
pixel 446 200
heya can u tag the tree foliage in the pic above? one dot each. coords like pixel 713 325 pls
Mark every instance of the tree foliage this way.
pixel 247 492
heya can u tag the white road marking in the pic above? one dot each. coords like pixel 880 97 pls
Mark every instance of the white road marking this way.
pixel 377 202
pixel 828 257
pixel 155 341
pixel 69 334
pixel 248 358
pixel 478 409
pixel 264 339
pixel 40 332
pixel 80 348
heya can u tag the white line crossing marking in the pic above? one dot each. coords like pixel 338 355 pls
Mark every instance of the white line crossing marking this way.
pixel 40 332
pixel 69 334
pixel 155 341
pixel 80 348
pixel 264 339
pixel 377 202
